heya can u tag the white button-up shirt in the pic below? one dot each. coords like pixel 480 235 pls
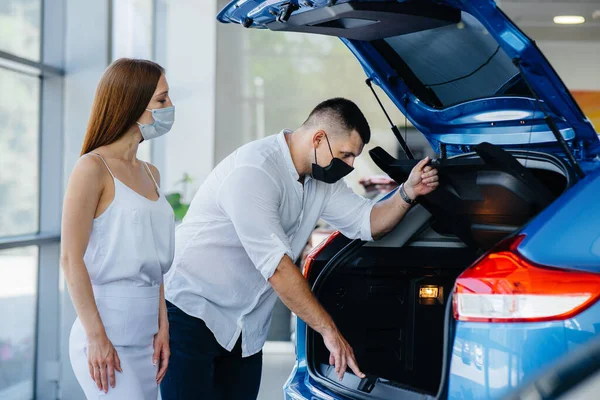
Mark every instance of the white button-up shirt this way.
pixel 248 214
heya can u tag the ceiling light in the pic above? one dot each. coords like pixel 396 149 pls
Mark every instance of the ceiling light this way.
pixel 569 19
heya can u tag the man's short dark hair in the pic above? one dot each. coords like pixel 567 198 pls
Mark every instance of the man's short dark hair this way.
pixel 341 112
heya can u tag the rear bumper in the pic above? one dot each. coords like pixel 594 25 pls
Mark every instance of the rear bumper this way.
pixel 300 387
pixel 294 388
pixel 488 360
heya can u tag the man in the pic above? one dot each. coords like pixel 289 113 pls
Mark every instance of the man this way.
pixel 236 248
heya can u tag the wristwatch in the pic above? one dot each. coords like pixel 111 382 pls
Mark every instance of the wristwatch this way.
pixel 405 196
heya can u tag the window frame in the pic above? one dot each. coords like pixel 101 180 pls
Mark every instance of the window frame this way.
pixel 49 70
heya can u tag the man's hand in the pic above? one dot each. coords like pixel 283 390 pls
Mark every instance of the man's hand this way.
pixel 422 180
pixel 341 354
pixel 295 293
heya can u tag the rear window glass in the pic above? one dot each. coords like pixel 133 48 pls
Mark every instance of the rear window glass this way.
pixel 453 64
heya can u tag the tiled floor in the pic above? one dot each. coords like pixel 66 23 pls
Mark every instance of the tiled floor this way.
pixel 278 360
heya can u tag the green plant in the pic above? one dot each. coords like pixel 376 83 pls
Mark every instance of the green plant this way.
pixel 174 199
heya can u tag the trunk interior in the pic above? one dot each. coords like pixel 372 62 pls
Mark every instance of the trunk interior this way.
pixel 374 300
pixel 377 293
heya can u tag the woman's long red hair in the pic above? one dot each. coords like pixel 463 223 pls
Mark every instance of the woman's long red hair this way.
pixel 124 91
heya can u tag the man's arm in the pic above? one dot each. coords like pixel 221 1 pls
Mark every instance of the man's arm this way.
pixel 388 213
pixel 254 212
pixel 293 290
pixel 358 218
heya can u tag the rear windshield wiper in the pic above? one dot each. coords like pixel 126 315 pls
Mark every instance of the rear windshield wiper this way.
pixel 394 128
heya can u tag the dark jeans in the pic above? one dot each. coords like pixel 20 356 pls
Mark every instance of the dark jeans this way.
pixel 199 368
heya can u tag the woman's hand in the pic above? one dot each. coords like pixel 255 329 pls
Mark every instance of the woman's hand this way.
pixel 161 352
pixel 103 360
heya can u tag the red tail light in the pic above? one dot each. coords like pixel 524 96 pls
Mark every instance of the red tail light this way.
pixel 310 258
pixel 504 287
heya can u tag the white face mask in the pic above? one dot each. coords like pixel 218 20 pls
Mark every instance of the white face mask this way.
pixel 163 121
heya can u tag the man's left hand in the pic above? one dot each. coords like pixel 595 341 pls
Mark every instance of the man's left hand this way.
pixel 422 180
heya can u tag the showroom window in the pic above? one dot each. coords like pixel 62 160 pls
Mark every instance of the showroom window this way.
pixel 286 74
pixel 18 315
pixel 31 81
pixel 19 146
pixel 20 22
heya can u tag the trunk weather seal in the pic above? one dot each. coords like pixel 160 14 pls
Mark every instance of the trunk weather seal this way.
pixel 345 252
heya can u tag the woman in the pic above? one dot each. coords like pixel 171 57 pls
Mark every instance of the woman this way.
pixel 118 239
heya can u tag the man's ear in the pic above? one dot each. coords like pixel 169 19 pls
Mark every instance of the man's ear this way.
pixel 318 137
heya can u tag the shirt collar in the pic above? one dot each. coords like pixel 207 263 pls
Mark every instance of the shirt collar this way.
pixel 285 150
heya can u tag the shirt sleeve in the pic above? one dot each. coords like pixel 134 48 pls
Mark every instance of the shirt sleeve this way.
pixel 348 212
pixel 251 198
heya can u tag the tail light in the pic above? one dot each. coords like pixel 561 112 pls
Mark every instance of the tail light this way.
pixel 310 258
pixel 504 287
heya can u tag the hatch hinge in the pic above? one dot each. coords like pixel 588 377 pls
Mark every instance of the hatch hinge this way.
pixel 286 10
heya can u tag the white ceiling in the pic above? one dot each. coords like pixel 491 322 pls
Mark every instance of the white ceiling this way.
pixel 535 18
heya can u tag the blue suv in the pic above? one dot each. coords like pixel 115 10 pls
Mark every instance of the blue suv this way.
pixel 496 274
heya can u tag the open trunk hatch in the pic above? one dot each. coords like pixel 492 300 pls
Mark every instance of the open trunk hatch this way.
pixel 460 70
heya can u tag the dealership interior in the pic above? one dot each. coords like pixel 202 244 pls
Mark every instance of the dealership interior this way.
pixel 230 86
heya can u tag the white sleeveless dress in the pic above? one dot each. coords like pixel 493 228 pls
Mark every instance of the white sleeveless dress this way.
pixel 130 248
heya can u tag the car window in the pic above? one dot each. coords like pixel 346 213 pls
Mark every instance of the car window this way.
pixel 453 64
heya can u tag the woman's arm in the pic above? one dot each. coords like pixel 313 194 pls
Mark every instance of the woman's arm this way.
pixel 161 339
pixel 163 321
pixel 81 199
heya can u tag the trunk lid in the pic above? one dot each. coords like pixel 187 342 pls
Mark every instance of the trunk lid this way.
pixel 460 70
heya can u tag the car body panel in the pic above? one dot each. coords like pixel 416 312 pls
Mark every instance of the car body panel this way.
pixel 514 352
pixel 510 355
pixel 489 360
pixel 567 233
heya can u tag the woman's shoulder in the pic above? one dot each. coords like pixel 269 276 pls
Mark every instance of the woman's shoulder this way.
pixel 155 172
pixel 90 165
pixel 89 175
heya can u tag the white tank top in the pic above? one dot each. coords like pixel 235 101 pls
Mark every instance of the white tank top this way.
pixel 133 241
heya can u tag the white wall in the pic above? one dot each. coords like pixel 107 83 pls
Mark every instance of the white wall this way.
pixel 86 57
pixel 189 57
pixel 577 63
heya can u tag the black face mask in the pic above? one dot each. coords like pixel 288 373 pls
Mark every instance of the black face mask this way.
pixel 336 170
